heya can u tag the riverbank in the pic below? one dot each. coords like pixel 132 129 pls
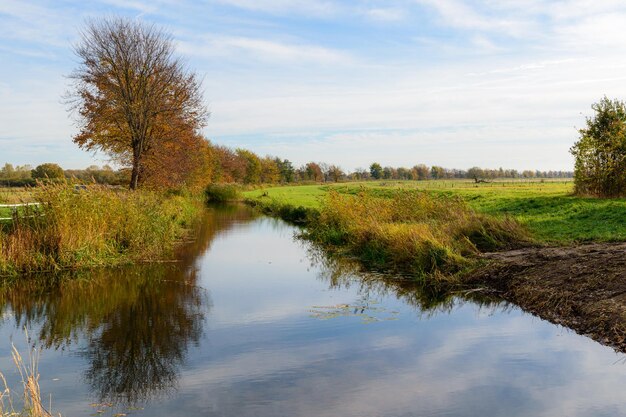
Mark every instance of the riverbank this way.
pixel 555 276
pixel 84 228
pixel 581 287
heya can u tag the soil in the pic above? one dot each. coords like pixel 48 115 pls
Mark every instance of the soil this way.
pixel 581 287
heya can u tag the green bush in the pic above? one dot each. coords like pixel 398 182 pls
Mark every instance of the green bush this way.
pixel 221 193
pixel 600 153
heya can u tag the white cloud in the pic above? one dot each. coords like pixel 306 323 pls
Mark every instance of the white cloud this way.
pixel 458 14
pixel 243 47
pixel 385 14
pixel 306 7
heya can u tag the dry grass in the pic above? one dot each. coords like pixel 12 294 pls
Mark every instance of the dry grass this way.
pixel 31 403
pixel 15 195
pixel 412 231
pixel 98 226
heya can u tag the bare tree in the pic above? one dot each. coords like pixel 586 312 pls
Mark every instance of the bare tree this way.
pixel 131 93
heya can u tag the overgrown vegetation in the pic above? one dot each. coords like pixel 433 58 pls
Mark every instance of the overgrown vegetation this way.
pixel 221 193
pixel 94 226
pixel 297 214
pixel 412 231
pixel 548 209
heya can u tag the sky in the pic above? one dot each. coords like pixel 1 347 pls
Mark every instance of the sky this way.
pixel 456 83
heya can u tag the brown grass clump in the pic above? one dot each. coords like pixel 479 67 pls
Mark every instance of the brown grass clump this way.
pixel 31 404
pixel 413 232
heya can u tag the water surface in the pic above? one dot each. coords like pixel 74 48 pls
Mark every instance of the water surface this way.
pixel 253 322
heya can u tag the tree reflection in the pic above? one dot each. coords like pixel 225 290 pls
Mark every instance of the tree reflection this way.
pixel 134 325
pixel 342 272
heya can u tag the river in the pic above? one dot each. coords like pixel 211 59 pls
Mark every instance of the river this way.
pixel 254 322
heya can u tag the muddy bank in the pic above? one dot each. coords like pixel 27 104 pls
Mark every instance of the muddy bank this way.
pixel 582 287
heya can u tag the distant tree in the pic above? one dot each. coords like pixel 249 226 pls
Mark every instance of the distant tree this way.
pixel 253 166
pixel 334 173
pixel 437 172
pixel 131 93
pixel 48 171
pixel 360 174
pixel 376 171
pixel 476 173
pixel 403 173
pixel 313 172
pixel 422 171
pixel 600 167
pixel 7 172
pixel 270 172
pixel 227 165
pixel 287 172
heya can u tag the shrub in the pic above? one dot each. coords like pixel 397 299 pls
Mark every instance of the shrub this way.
pixel 288 212
pixel 221 193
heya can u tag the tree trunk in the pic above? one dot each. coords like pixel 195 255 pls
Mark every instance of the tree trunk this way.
pixel 134 177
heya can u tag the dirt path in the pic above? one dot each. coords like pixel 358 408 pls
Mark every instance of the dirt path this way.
pixel 582 287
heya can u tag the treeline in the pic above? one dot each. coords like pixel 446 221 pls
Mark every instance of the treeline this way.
pixel 26 175
pixel 204 163
pixel 422 172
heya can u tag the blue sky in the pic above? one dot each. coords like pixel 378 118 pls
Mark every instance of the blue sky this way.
pixel 456 83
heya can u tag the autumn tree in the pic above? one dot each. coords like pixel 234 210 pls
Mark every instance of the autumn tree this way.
pixel 253 166
pixel 313 172
pixel 228 166
pixel 184 162
pixel 270 172
pixel 131 93
pixel 422 172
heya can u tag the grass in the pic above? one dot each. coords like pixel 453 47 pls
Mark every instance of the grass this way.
pixel 547 209
pixel 13 195
pixel 31 402
pixel 93 227
pixel 411 231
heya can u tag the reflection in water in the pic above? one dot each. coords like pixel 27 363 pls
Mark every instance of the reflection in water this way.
pixel 287 331
pixel 135 323
pixel 344 273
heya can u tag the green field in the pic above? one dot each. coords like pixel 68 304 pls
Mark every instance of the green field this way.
pixel 13 196
pixel 548 209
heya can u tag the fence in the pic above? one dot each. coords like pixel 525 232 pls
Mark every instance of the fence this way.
pixel 13 208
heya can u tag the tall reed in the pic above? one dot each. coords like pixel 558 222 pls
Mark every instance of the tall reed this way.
pixel 97 226
pixel 31 403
